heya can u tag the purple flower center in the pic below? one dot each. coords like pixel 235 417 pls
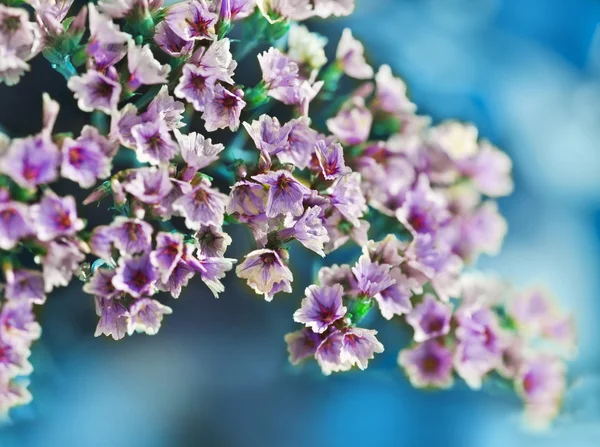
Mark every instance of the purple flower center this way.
pixel 201 196
pixel 198 82
pixel 430 364
pixel 529 383
pixel 435 325
pixel 10 24
pixel 8 215
pixel 268 259
pixel 30 172
pixel 103 89
pixel 132 229
pixel 230 102
pixel 154 141
pixel 139 278
pixel 327 314
pixel 283 182
pixel 417 221
pixel 198 25
pixel 76 156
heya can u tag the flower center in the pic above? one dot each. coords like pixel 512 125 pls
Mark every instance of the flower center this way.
pixel 430 364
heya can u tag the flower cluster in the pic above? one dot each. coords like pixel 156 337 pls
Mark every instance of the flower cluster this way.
pixel 342 168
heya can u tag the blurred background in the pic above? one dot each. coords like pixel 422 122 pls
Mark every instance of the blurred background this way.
pixel 527 73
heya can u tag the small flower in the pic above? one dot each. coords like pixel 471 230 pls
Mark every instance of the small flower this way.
pixel 337 8
pixel 430 319
pixel 212 241
pixel 247 198
pixel 167 254
pixel 170 42
pixel 372 277
pixel 308 230
pixel 352 124
pixel 423 210
pixel 302 344
pixel 395 299
pixel 212 270
pixel 122 122
pixel 149 185
pixel 348 199
pixel 306 48
pixel 196 86
pixel 350 57
pixel 331 160
pixel 107 44
pixel 428 364
pixel 25 285
pixel 13 361
pixel 31 161
pixel 360 346
pixel 268 135
pixel 62 260
pixel 56 216
pixel 236 9
pixel 129 236
pixel 456 139
pixel 216 60
pixel 145 315
pixel 197 152
pixel 87 158
pixel 278 10
pixel 136 276
pixel 154 144
pixel 95 91
pixel 263 269
pixel 165 108
pixel 17 322
pixel 192 20
pixel 224 110
pixel 144 69
pixel 321 307
pixel 278 70
pixel 114 318
pixel 391 93
pixel 285 193
pixel 329 354
pixel 490 170
pixel 100 284
pixel 201 206
pixel 15 223
pixel 301 141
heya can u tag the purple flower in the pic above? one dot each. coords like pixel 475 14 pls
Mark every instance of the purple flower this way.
pixel 395 299
pixel 196 86
pixel 122 122
pixel 352 124
pixel 149 185
pixel 201 206
pixel 95 91
pixel 326 8
pixel 359 346
pixel 167 254
pixel 329 354
pixel 457 140
pixel 212 270
pixel 372 277
pixel 144 69
pixel 154 144
pixel 490 170
pixel 428 364
pixel 13 394
pixel 321 307
pixel 430 319
pixel 15 223
pixel 341 231
pixel 338 274
pixel 197 152
pixel 180 275
pixel 17 322
pixel 301 143
pixel 212 241
pixel 25 285
pixel 247 198
pixel 165 108
pixel 122 8
pixel 192 20
pixel 386 251
pixel 170 42
pixel 285 193
pixel 129 236
pixel 62 260
pixel 114 318
pixel 145 315
pixel 278 10
pixel 278 70
pixel 423 210
pixel 263 269
pixel 100 284
pixel 268 135
pixel 56 216
pixel 302 344
pixel 391 93
pixel 13 361
pixel 224 110
pixel 136 276
pixel 350 57
pixel 532 309
pixel 348 199
pixel 216 60
pixel 31 161
pixel 87 158
pixel 308 230
pixel 331 160
pixel 107 44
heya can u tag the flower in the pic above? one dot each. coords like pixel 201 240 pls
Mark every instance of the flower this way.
pixel 285 193
pixel 167 254
pixel 302 344
pixel 31 161
pixel 301 140
pixel 197 152
pixel 62 260
pixel 247 198
pixel 224 110
pixel 423 210
pixel 329 354
pixel 95 91
pixel 277 10
pixel 170 42
pixel 490 170
pixel 278 70
pixel 352 124
pixel 350 57
pixel 372 277
pixel 114 318
pixel 144 69
pixel 348 199
pixel 17 322
pixel 145 315
pixel 149 185
pixel 430 319
pixel 427 364
pixel 87 158
pixel 129 236
pixel 359 346
pixel 107 44
pixel 331 160
pixel 196 86
pixel 192 20
pixel 165 108
pixel 216 60
pixel 25 285
pixel 268 135
pixel 391 93
pixel 212 270
pixel 264 269
pixel 154 144
pixel 136 275
pixel 56 216
pixel 308 229
pixel 15 223
pixel 212 241
pixel 305 47
pixel 326 8
pixel 203 205
pixel 456 139
pixel 321 307
pixel 395 299
pixel 100 284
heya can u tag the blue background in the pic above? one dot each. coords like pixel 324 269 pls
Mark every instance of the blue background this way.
pixel 527 73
